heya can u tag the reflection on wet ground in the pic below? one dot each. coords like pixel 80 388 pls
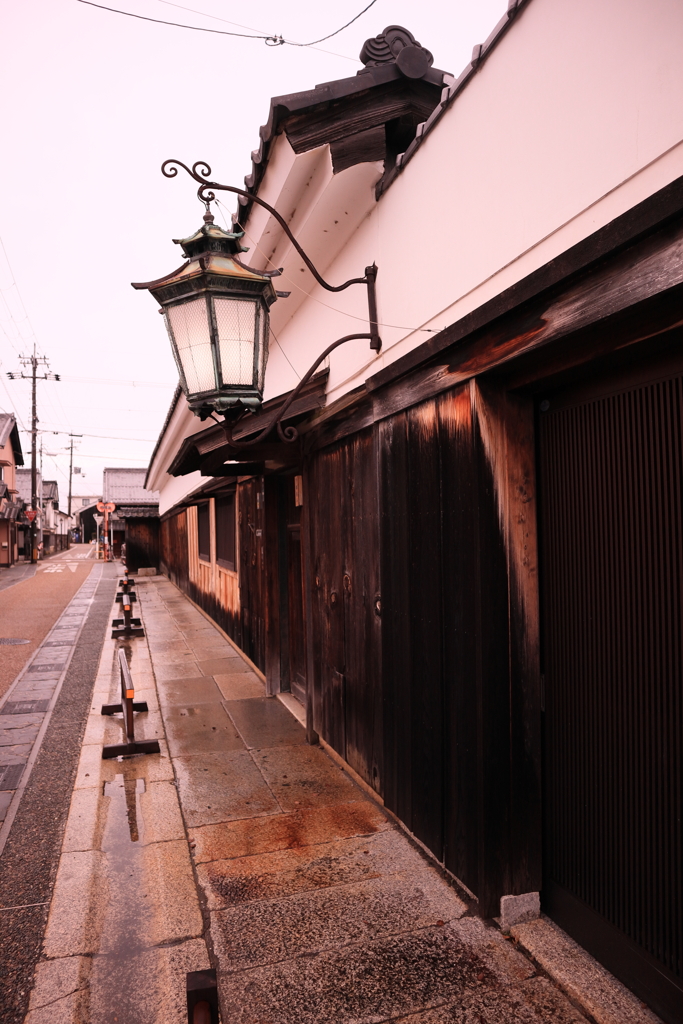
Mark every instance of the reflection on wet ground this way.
pixel 115 982
pixel 131 787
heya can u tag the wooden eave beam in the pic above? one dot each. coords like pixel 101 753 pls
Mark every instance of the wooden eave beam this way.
pixel 640 221
pixel 638 293
pixel 189 457
pixel 342 118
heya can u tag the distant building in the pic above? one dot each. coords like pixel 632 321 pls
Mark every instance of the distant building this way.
pixel 136 519
pixel 55 535
pixel 11 456
pixel 52 532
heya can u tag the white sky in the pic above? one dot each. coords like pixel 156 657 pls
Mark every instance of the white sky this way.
pixel 92 103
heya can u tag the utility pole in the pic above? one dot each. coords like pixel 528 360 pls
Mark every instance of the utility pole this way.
pixel 71 473
pixel 71 464
pixel 33 362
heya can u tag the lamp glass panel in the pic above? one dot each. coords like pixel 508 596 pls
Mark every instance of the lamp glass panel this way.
pixel 236 325
pixel 264 332
pixel 189 323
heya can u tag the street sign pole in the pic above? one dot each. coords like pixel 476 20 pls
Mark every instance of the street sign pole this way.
pixel 106 508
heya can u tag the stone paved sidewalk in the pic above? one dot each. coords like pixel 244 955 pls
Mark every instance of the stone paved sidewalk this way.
pixel 241 847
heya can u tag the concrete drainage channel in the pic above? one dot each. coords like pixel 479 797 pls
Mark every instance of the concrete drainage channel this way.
pixel 124 937
pixel 41 751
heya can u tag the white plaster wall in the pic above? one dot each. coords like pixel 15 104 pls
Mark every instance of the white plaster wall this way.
pixel 176 488
pixel 171 489
pixel 574 118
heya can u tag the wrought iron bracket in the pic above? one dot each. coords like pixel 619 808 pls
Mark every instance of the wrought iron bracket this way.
pixel 206 193
pixel 290 433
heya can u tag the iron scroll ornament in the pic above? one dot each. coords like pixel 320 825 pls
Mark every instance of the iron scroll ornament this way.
pixel 206 193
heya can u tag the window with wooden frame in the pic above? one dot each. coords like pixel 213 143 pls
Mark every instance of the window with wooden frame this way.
pixel 226 532
pixel 204 532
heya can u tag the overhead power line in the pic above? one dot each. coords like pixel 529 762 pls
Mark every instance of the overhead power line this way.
pixel 114 458
pixel 13 288
pixel 128 383
pixel 272 39
pixel 337 31
pixel 102 437
pixel 215 17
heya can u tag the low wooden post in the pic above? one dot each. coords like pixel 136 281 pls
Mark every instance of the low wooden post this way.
pixel 127 706
pixel 127 626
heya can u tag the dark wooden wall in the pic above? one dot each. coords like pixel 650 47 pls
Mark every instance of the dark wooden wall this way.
pixel 142 543
pixel 173 553
pixel 246 623
pixel 459 613
pixel 343 588
pixel 252 589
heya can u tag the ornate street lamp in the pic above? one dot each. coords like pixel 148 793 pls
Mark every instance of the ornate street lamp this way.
pixel 216 312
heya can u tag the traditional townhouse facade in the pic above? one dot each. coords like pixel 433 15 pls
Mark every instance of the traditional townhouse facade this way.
pixel 467 564
pixel 55 534
pixel 11 456
pixel 135 521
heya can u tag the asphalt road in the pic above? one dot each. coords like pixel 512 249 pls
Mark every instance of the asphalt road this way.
pixel 28 864
pixel 33 601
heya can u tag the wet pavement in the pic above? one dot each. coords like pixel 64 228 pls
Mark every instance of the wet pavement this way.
pixel 32 845
pixel 10 575
pixel 240 847
pixel 31 599
pixel 16 574
pixel 26 708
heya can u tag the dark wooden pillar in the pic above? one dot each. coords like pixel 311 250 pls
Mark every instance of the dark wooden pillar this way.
pixel 460 635
pixel 273 488
pixel 509 674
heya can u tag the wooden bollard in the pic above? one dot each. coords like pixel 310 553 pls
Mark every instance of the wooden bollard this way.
pixel 128 706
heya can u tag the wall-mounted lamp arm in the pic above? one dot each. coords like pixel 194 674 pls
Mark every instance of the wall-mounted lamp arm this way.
pixel 290 433
pixel 206 195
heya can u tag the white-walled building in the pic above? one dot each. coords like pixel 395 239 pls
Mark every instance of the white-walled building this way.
pixel 468 565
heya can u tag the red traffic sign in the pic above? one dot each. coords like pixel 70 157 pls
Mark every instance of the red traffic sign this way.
pixel 31 513
pixel 106 506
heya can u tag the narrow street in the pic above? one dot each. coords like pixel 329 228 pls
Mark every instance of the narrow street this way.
pixel 237 847
pixel 31 599
pixel 62 610
pixel 357 698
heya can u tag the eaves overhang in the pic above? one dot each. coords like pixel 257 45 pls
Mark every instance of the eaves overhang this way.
pixel 212 444
pixel 347 104
pixel 169 415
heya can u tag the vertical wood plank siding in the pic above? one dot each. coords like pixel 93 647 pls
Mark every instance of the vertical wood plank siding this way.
pixel 343 586
pixel 234 601
pixel 173 556
pixel 252 563
pixel 461 686
pixel 142 543
pixel 612 518
pixel 427 684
